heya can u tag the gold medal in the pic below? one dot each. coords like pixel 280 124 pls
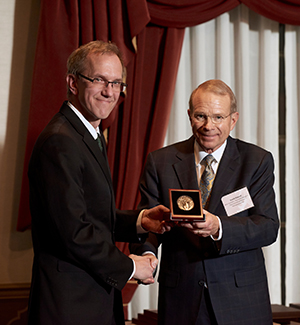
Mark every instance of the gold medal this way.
pixel 185 203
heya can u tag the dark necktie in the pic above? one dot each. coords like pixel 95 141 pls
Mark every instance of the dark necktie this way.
pixel 99 141
pixel 207 180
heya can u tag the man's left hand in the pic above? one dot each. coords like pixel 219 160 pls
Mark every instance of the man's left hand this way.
pixel 210 227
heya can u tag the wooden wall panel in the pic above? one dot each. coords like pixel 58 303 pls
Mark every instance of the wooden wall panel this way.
pixel 13 303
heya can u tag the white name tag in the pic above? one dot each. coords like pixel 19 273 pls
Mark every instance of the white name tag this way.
pixel 237 201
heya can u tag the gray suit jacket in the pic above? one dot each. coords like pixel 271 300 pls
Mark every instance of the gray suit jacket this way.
pixel 233 269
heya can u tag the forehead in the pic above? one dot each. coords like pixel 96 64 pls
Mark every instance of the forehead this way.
pixel 208 101
pixel 104 63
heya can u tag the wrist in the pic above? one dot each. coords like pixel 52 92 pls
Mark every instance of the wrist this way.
pixel 143 220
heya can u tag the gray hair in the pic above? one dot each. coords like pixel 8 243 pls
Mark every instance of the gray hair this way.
pixel 217 87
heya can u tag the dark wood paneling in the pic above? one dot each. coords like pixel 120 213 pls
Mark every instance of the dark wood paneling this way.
pixel 13 303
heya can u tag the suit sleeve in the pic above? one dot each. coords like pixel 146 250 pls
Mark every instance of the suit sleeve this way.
pixel 150 197
pixel 126 227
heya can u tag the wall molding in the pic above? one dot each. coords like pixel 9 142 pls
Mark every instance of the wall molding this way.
pixel 13 303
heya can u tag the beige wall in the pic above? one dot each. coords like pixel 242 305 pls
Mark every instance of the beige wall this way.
pixel 18 33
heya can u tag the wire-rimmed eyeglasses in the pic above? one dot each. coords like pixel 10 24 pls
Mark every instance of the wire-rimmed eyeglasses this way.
pixel 216 119
pixel 117 86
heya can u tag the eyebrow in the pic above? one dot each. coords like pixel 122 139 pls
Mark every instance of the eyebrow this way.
pixel 100 76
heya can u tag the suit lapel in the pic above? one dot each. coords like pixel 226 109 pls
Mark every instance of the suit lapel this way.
pixel 90 142
pixel 99 156
pixel 227 167
pixel 185 169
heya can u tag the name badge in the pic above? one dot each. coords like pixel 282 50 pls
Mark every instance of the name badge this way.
pixel 237 201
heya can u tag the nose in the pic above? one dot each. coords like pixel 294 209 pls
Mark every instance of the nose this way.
pixel 208 124
pixel 108 89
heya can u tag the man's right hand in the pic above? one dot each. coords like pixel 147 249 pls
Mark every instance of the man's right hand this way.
pixel 144 267
pixel 156 219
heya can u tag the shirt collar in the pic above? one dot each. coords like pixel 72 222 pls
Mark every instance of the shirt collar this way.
pixel 200 154
pixel 94 132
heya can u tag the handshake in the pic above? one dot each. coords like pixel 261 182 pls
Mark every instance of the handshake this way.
pixel 155 220
pixel 144 267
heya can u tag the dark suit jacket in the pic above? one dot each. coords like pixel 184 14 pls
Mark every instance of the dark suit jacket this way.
pixel 234 270
pixel 78 272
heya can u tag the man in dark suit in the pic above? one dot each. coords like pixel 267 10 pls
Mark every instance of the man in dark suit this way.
pixel 78 272
pixel 213 272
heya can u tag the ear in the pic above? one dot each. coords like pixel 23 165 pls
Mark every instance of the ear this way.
pixel 72 84
pixel 190 115
pixel 234 119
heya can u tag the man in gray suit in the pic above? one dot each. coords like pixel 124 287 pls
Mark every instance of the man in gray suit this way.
pixel 213 272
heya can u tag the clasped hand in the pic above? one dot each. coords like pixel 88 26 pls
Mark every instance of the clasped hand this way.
pixel 144 267
pixel 210 227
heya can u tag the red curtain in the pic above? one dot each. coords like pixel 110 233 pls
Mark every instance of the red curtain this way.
pixel 150 35
pixel 141 123
pixel 184 13
pixel 65 25
pixel 283 11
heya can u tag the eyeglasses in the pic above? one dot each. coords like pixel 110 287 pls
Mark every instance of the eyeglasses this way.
pixel 216 119
pixel 117 86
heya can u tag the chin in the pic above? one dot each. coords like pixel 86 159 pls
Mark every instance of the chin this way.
pixel 207 147
pixel 105 114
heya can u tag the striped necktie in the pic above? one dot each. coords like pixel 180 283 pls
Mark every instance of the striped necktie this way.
pixel 207 180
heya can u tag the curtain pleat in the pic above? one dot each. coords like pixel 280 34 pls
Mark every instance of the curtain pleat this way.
pixel 292 225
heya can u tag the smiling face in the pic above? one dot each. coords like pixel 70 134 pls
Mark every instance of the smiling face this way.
pixel 211 136
pixel 94 101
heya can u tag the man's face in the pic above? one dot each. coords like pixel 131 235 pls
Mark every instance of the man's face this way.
pixel 208 134
pixel 96 101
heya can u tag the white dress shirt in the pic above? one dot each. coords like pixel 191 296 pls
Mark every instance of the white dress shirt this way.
pixel 199 156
